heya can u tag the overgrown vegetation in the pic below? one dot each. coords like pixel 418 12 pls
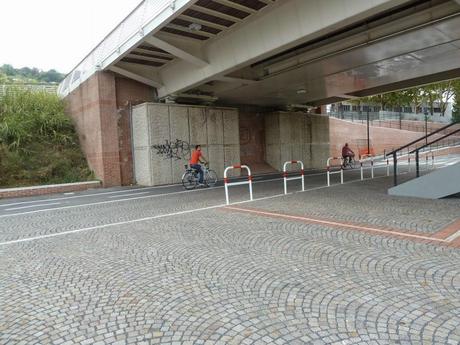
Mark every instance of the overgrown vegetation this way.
pixel 38 142
pixel 9 74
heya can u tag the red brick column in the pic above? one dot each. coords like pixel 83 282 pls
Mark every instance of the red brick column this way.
pixel 93 108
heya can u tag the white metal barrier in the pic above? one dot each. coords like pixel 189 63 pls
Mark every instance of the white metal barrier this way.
pixel 227 184
pixel 371 167
pixel 301 177
pixel 329 172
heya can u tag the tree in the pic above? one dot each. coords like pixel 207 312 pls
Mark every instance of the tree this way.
pixel 456 108
pixel 439 93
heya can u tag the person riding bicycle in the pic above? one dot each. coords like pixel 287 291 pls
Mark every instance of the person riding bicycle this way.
pixel 347 154
pixel 195 160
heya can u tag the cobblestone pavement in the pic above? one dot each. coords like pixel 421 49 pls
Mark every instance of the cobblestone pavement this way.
pixel 218 276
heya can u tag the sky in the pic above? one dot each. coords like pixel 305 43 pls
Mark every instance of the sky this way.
pixel 56 34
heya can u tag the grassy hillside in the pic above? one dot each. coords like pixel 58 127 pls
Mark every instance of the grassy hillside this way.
pixel 38 142
pixel 9 74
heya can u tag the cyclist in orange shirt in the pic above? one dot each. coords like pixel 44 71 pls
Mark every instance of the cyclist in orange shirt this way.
pixel 197 157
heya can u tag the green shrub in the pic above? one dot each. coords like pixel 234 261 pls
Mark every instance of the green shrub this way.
pixel 38 142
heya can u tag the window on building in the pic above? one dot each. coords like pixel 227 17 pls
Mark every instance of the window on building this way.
pixel 408 109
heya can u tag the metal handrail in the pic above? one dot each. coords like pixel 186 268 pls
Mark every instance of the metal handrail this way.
pixel 417 151
pixel 435 141
pixel 394 152
pixel 424 137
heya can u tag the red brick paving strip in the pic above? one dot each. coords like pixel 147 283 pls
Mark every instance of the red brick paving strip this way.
pixel 439 237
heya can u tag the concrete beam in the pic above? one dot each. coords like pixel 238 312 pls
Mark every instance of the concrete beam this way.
pixel 134 76
pixel 185 29
pixel 236 80
pixel 203 22
pixel 259 38
pixel 177 52
pixel 349 96
pixel 215 13
pixel 236 6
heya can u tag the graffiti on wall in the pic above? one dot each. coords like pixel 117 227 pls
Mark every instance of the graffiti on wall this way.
pixel 177 149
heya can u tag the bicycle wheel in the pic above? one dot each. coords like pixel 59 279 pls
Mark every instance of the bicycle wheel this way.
pixel 211 178
pixel 189 180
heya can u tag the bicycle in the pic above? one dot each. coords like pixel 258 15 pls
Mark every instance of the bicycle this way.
pixel 190 177
pixel 349 163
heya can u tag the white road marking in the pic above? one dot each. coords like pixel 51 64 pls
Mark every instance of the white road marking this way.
pixel 169 214
pixel 70 197
pixel 29 239
pixel 94 203
pixel 148 196
pixel 453 236
pixel 39 205
pixel 155 195
pixel 121 196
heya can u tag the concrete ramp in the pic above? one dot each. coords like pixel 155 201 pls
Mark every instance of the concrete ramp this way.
pixel 438 184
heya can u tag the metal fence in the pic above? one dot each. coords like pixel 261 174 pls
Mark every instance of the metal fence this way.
pixel 12 88
pixel 131 26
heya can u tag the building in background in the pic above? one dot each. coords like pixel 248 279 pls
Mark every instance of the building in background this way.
pixel 352 111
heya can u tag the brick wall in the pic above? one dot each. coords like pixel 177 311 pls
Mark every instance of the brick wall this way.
pixel 100 110
pixel 381 138
pixel 92 106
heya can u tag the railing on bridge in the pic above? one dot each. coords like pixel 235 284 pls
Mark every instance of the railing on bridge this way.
pixel 133 25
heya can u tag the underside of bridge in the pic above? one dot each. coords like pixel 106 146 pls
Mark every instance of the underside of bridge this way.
pixel 264 55
pixel 411 43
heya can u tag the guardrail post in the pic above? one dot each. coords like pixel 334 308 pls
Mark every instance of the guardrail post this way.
pixel 372 167
pixel 395 169
pixel 388 167
pixel 301 177
pixel 417 164
pixel 408 163
pixel 341 175
pixel 227 184
pixel 432 160
pixel 362 173
pixel 328 176
pixel 250 185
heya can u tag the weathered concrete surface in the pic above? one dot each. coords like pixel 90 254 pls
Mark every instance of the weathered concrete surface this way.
pixel 435 185
pixel 158 128
pixel 296 136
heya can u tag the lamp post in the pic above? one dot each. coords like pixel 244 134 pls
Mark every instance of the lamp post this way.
pixel 368 143
pixel 426 127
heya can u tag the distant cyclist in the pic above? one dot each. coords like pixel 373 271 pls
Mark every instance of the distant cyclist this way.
pixel 347 154
pixel 195 160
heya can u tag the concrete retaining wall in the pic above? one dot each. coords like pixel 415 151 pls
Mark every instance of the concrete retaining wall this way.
pixel 296 136
pixel 165 134
pixel 380 138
